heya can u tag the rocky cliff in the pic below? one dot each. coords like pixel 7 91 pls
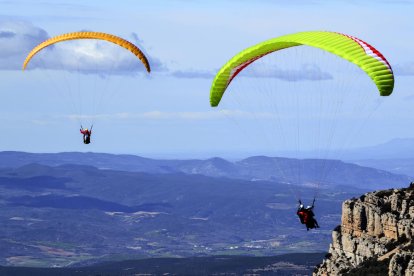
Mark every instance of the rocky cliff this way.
pixel 375 237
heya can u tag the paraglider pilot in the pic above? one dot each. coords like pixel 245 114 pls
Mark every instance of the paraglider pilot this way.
pixel 86 134
pixel 307 216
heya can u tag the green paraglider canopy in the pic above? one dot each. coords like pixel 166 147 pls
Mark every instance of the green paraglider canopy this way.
pixel 347 47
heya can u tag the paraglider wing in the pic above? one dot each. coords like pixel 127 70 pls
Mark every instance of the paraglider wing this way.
pixel 347 47
pixel 90 35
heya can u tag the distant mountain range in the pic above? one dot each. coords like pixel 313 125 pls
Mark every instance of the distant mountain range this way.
pixel 398 148
pixel 396 156
pixel 283 170
pixel 398 166
pixel 401 148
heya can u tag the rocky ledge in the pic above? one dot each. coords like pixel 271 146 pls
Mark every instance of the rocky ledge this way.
pixel 375 236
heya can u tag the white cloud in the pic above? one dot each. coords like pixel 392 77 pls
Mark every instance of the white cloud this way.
pixel 305 72
pixel 18 38
pixel 193 74
pixel 188 115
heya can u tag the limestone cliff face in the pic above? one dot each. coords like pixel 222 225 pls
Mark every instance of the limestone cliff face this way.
pixel 376 235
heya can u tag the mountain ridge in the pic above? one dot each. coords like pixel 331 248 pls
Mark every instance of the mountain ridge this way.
pixel 277 169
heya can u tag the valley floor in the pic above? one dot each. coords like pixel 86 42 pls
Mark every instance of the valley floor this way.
pixel 288 264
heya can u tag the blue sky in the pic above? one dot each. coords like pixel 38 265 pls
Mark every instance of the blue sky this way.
pixel 167 113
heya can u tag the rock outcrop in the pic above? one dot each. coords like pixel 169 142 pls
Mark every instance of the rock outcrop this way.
pixel 375 237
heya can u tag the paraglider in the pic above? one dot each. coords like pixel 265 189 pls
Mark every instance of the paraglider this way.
pixel 82 36
pixel 307 216
pixel 346 47
pixel 87 133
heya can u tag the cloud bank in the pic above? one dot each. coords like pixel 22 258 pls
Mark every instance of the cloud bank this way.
pixel 185 115
pixel 18 38
pixel 193 74
pixel 305 73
